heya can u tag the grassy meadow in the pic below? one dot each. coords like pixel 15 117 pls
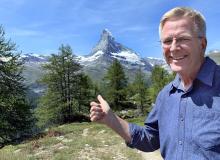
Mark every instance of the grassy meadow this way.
pixel 75 141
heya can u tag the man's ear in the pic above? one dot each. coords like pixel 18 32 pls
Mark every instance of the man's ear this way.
pixel 204 43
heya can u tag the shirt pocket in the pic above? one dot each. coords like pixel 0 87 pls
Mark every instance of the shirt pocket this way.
pixel 206 129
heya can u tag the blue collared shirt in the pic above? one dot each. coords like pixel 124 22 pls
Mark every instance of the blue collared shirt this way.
pixel 185 125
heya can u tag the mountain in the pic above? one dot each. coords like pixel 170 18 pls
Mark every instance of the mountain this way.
pixel 94 64
pixel 32 73
pixel 105 51
pixel 34 58
pixel 215 55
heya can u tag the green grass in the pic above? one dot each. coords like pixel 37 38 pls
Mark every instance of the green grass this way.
pixel 77 141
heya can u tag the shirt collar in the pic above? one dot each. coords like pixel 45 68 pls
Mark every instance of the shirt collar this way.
pixel 205 74
pixel 176 82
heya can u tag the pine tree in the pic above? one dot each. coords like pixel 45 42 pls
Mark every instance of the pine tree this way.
pixel 84 96
pixel 116 83
pixel 140 92
pixel 159 77
pixel 16 117
pixel 64 89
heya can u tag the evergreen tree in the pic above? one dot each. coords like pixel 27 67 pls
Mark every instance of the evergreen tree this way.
pixel 140 92
pixel 66 87
pixel 160 77
pixel 85 95
pixel 16 117
pixel 116 83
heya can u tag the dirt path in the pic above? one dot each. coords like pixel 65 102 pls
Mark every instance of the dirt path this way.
pixel 152 155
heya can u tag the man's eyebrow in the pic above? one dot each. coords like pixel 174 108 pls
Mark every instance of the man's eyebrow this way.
pixel 177 36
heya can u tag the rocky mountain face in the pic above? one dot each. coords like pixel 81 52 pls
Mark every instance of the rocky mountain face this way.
pixel 105 51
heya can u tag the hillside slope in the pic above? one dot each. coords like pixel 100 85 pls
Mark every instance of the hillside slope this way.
pixel 76 141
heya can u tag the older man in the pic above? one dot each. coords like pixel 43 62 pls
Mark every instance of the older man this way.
pixel 185 121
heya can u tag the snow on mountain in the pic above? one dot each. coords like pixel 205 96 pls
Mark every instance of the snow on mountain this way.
pixel 32 57
pixel 155 61
pixel 107 49
pixel 84 59
pixel 128 56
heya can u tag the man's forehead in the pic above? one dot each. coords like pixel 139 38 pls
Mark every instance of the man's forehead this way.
pixel 178 23
pixel 174 27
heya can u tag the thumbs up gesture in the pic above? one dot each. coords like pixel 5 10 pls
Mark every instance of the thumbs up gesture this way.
pixel 100 111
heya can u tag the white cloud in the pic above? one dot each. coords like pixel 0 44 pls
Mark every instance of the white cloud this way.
pixel 133 29
pixel 24 32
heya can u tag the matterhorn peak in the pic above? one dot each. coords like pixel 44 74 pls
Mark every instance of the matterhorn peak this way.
pixel 107 44
pixel 106 35
pixel 106 38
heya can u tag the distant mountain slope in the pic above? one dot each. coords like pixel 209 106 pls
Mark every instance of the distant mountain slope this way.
pixel 32 72
pixel 215 55
pixel 36 58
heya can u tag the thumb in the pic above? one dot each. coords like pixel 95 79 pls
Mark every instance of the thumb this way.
pixel 103 103
pixel 101 100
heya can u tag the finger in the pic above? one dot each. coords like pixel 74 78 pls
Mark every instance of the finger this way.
pixel 95 109
pixel 94 104
pixel 101 100
pixel 95 116
pixel 94 119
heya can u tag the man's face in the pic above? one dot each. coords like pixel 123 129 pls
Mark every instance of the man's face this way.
pixel 182 48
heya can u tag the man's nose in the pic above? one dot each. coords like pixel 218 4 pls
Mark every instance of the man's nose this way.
pixel 174 45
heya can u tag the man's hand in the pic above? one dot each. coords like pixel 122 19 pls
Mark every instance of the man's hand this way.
pixel 100 111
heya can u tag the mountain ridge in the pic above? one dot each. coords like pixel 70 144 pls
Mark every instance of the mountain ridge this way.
pixel 96 63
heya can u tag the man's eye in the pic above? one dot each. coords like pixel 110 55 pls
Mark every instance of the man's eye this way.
pixel 168 41
pixel 183 39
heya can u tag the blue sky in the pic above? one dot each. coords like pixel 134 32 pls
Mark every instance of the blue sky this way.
pixel 41 26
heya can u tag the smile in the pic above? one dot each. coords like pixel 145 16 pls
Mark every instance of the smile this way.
pixel 178 58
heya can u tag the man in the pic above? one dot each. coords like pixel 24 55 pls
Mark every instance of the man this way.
pixel 185 121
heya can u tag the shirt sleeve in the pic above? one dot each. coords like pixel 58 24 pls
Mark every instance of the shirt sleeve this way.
pixel 146 138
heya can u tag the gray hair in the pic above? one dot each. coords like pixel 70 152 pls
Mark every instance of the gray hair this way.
pixel 180 12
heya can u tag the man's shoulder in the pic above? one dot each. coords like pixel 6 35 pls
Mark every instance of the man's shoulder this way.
pixel 217 73
pixel 218 69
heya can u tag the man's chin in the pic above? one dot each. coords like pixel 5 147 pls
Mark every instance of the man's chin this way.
pixel 176 69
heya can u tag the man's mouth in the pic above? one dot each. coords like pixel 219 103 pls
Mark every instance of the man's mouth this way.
pixel 178 58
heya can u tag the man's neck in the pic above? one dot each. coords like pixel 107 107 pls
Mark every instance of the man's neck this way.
pixel 186 86
pixel 188 78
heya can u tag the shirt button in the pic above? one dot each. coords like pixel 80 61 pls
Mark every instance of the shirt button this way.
pixel 180 142
pixel 182 119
